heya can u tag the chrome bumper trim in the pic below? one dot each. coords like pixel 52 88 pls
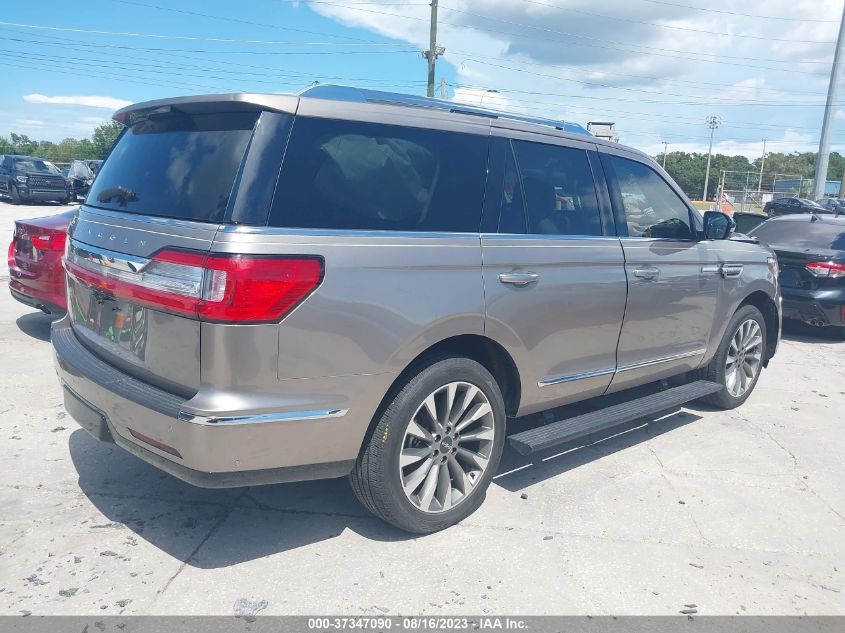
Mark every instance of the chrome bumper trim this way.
pixel 290 416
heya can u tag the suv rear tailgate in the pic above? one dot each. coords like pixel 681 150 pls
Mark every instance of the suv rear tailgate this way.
pixel 155 346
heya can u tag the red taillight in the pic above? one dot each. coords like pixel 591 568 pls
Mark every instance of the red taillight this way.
pixel 212 287
pixel 826 269
pixel 10 258
pixel 49 241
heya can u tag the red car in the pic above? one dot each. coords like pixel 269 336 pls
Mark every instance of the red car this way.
pixel 36 276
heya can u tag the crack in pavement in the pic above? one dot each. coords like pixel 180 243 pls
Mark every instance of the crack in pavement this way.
pixel 225 515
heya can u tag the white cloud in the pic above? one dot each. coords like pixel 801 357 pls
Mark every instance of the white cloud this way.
pixel 108 103
pixel 30 123
pixel 656 69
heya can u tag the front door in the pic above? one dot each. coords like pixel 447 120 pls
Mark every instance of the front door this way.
pixel 673 278
pixel 554 277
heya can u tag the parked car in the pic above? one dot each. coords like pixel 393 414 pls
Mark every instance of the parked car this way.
pixel 25 178
pixel 811 255
pixel 80 176
pixel 745 221
pixel 786 206
pixel 36 276
pixel 374 300
pixel 835 206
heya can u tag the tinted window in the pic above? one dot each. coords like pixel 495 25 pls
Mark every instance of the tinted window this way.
pixel 176 166
pixel 512 212
pixel 806 234
pixel 558 190
pixel 651 207
pixel 351 175
pixel 35 165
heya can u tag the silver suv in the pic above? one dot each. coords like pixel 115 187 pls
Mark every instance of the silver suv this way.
pixel 267 288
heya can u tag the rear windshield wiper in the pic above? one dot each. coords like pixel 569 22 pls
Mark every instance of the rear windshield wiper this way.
pixel 121 193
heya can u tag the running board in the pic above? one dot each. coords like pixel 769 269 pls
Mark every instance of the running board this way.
pixel 549 435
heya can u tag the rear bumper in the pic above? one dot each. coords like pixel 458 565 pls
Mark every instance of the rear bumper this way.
pixel 40 301
pixel 819 307
pixel 208 451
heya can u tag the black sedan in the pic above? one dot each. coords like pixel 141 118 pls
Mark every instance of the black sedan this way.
pixel 811 255
pixel 788 206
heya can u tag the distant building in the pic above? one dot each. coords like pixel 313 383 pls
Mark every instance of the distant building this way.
pixel 804 186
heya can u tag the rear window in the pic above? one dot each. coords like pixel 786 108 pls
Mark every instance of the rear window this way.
pixel 177 166
pixel 809 234
pixel 367 176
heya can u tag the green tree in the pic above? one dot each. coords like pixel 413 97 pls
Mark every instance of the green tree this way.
pixel 105 135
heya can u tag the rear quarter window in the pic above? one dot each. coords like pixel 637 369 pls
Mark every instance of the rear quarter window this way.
pixel 176 166
pixel 366 176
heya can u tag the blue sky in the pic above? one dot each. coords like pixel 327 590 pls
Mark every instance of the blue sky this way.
pixel 655 67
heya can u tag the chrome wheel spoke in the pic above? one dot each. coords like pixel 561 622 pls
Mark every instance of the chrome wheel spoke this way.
pixel 484 433
pixel 447 447
pixel 474 414
pixel 413 455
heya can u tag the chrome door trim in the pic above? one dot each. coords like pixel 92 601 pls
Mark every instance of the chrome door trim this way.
pixel 732 270
pixel 519 278
pixel 291 416
pixel 711 269
pixel 664 359
pixel 557 380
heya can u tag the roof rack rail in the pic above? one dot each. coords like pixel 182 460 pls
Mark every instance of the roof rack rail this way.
pixel 363 95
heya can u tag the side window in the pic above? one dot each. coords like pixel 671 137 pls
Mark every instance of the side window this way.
pixel 557 186
pixel 652 208
pixel 365 176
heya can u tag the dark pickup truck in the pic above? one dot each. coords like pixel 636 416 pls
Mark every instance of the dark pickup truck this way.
pixel 24 178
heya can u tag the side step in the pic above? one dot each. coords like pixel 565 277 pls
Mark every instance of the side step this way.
pixel 549 435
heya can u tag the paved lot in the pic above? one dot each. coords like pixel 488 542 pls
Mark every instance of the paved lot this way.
pixel 737 512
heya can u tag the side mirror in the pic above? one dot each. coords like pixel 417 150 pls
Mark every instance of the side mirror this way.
pixel 717 225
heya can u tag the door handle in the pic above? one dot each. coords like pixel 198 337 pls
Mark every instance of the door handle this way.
pixel 648 273
pixel 731 270
pixel 519 279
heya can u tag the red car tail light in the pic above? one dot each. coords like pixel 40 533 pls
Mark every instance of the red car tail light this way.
pixel 10 257
pixel 218 288
pixel 826 269
pixel 49 241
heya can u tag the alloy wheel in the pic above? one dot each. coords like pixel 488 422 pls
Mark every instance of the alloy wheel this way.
pixel 447 447
pixel 744 358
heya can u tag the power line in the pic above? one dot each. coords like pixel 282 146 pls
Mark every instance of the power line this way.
pixel 619 46
pixel 646 23
pixel 737 13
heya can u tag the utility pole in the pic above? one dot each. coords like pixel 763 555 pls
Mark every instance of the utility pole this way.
pixel 762 164
pixel 666 145
pixel 712 122
pixel 434 51
pixel 824 143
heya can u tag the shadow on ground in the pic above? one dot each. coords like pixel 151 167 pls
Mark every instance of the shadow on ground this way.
pixel 211 529
pixel 36 324
pixel 803 333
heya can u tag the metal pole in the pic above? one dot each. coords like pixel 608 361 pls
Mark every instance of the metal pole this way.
pixel 824 142
pixel 712 122
pixel 431 53
pixel 665 151
pixel 762 163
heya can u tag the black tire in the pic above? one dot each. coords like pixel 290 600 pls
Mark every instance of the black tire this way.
pixel 14 194
pixel 715 370
pixel 375 479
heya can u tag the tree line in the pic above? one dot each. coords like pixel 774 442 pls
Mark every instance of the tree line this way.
pixel 688 169
pixel 94 148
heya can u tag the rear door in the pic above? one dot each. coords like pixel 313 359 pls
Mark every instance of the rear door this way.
pixel 554 275
pixel 168 185
pixel 673 279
